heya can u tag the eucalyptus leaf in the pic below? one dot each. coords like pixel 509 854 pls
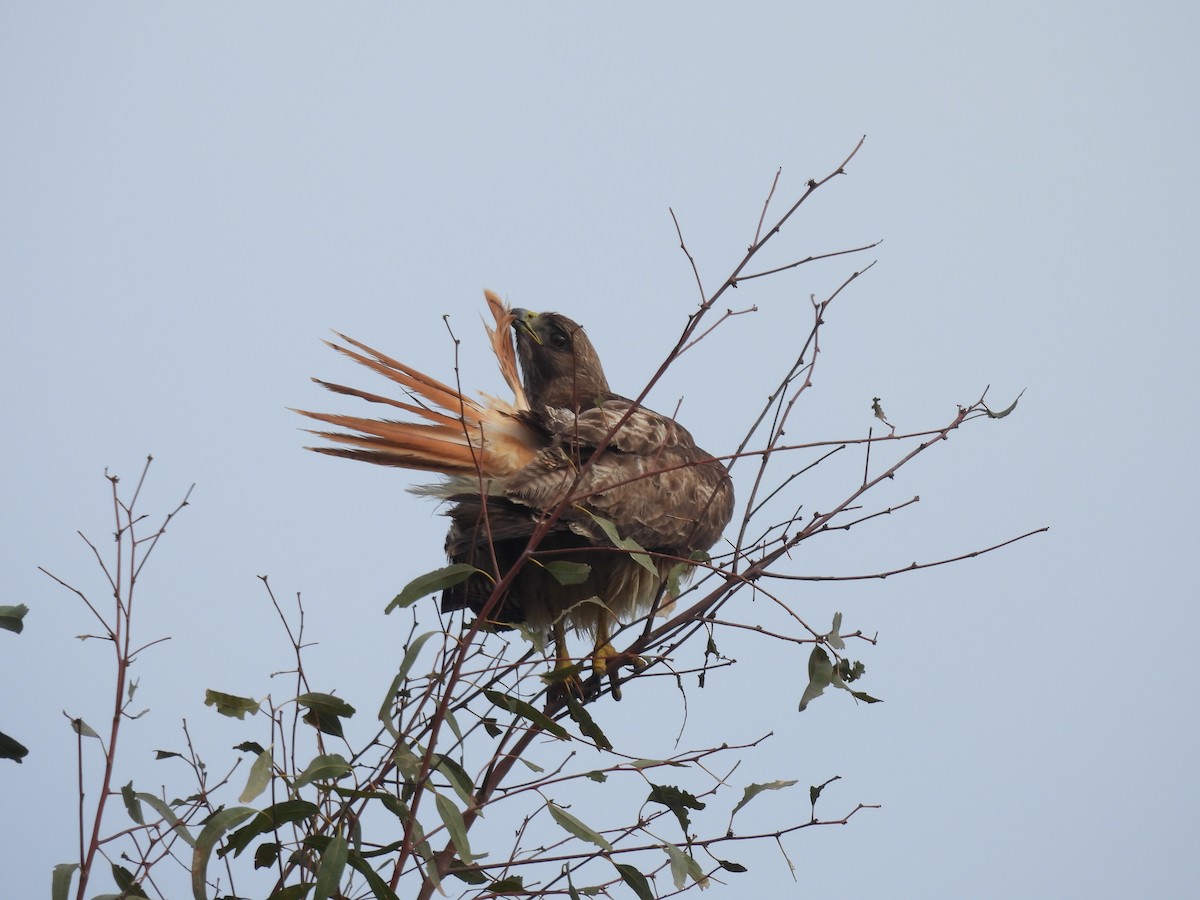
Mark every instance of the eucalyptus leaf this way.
pixel 567 572
pixel 132 805
pixel 12 617
pixel 325 766
pixel 525 711
pixel 410 657
pixel 216 826
pixel 330 868
pixel 259 777
pixel 230 704
pixel 636 551
pixel 437 580
pixel 60 880
pixel 753 790
pixel 636 880
pixel 820 674
pixel 571 824
pixel 453 820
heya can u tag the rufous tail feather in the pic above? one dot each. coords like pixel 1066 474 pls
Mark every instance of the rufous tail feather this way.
pixel 463 437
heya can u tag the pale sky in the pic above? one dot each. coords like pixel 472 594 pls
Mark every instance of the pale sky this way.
pixel 192 196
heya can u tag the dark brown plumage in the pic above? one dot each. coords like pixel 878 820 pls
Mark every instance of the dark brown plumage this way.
pixel 567 451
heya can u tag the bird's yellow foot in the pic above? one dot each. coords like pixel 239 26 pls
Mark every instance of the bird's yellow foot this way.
pixel 606 660
pixel 565 677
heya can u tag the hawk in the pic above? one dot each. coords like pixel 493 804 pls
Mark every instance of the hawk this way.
pixel 567 473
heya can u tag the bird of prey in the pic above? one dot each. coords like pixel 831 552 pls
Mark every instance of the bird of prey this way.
pixel 565 485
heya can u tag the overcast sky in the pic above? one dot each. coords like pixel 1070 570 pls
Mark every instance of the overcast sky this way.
pixel 192 195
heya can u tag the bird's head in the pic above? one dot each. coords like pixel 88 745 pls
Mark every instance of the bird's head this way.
pixel 559 365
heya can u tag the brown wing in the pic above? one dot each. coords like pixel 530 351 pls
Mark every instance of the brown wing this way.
pixel 651 480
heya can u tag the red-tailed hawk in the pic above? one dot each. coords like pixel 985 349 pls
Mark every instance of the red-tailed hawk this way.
pixel 567 458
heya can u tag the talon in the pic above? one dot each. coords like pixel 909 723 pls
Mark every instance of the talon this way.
pixel 607 660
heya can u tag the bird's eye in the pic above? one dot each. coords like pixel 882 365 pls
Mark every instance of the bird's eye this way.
pixel 560 341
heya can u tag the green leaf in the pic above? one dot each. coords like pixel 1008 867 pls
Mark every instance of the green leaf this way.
pixel 453 820
pixel 569 823
pixel 456 775
pixel 469 874
pixel 216 826
pixel 167 754
pixel 679 869
pixel 267 821
pixel 636 880
pixel 864 697
pixel 513 884
pixel 562 674
pixel 525 711
pixel 683 867
pixel 677 800
pixel 587 726
pixel 453 723
pixel 438 579
pixel 730 866
pixel 652 763
pixel 331 703
pixel 126 882
pixel 596 776
pixel 168 816
pixel 11 748
pixel 326 766
pixel 247 747
pixel 848 670
pixel 567 572
pixel 407 762
pixel 259 778
pixel 410 657
pixel 60 880
pixel 754 790
pixel 230 704
pixel 331 867
pixel 265 855
pixel 379 887
pixel 132 806
pixel 424 851
pixel 814 792
pixel 11 617
pixel 325 712
pixel 292 892
pixel 851 672
pixel 820 674
pixel 636 550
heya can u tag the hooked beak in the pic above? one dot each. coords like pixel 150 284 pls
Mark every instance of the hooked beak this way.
pixel 524 321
